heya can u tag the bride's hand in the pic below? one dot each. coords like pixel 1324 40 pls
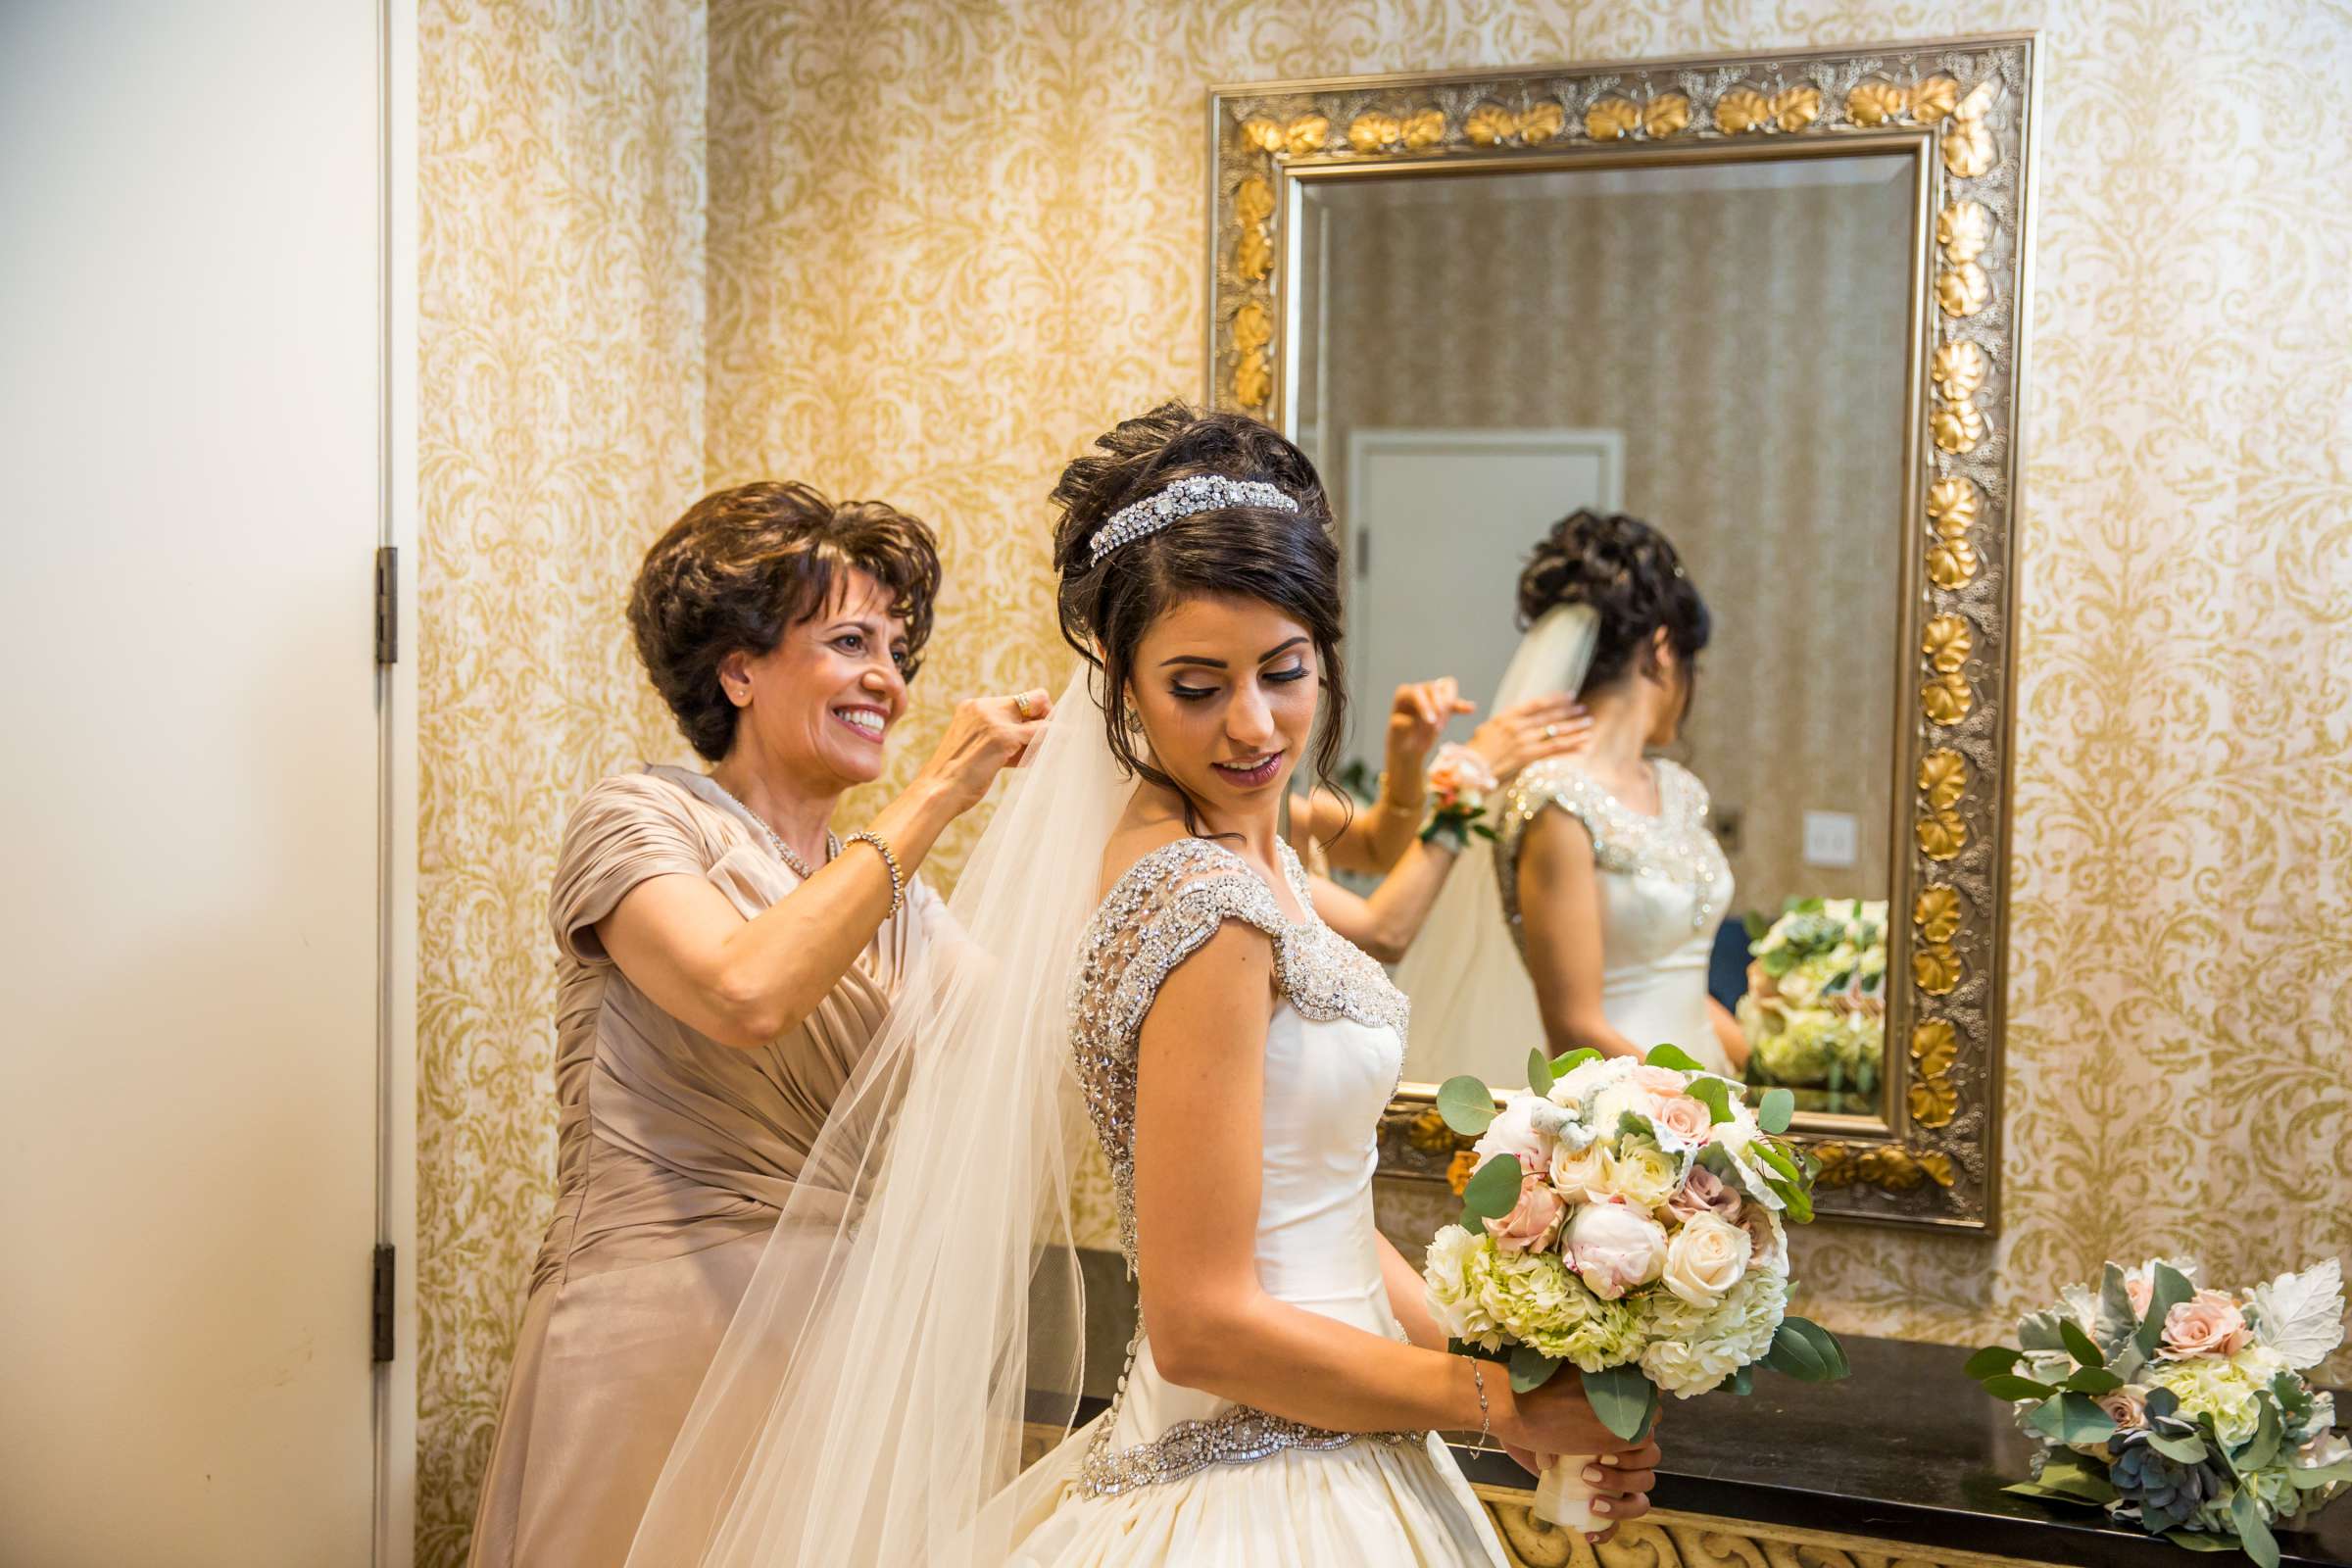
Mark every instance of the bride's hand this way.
pixel 1624 1481
pixel 1530 731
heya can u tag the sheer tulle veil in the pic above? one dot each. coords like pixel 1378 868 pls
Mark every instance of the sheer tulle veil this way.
pixel 1463 972
pixel 919 1299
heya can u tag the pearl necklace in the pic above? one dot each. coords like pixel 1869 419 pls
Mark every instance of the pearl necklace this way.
pixel 799 866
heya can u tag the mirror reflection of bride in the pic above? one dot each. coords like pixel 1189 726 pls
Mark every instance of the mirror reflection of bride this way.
pixel 1604 880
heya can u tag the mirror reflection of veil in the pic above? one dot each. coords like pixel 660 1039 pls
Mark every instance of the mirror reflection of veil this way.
pixel 1590 920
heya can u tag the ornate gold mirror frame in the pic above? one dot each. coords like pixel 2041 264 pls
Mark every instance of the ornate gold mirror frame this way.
pixel 1962 109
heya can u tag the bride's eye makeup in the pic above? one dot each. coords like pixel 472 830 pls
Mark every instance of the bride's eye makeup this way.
pixel 1190 694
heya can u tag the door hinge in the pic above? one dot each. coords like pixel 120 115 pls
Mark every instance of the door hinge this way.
pixel 380 1326
pixel 387 604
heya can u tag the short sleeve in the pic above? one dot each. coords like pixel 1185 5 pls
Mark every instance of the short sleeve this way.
pixel 1556 784
pixel 624 831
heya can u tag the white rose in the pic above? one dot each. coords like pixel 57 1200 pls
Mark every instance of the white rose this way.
pixel 1644 1175
pixel 1706 1258
pixel 1614 1249
pixel 1582 1175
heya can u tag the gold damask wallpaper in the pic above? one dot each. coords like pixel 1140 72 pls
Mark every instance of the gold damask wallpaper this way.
pixel 942 245
pixel 560 426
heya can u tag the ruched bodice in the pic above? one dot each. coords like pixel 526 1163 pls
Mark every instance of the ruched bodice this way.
pixel 673 1155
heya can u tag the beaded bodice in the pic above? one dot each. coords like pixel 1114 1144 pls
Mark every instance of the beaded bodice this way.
pixel 1167 906
pixel 1333 1051
pixel 1672 857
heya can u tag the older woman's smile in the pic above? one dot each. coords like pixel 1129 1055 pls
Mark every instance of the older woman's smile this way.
pixel 868 720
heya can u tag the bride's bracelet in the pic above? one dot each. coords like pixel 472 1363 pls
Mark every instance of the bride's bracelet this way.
pixel 1486 1417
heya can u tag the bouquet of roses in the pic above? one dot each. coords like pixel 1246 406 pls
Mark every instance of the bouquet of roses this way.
pixel 1627 1219
pixel 1815 1012
pixel 2179 1410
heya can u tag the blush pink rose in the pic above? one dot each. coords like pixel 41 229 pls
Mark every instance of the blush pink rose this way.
pixel 1686 1118
pixel 2139 1290
pixel 1663 1082
pixel 2127 1408
pixel 1772 1241
pixel 2208 1323
pixel 1703 1192
pixel 1533 1222
pixel 1614 1249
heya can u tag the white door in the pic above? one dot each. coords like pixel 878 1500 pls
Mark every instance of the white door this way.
pixel 1440 523
pixel 189 387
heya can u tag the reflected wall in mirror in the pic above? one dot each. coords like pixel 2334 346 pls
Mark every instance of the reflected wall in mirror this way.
pixel 1771 305
pixel 1478 357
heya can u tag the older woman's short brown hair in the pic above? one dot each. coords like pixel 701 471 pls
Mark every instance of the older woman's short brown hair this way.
pixel 743 564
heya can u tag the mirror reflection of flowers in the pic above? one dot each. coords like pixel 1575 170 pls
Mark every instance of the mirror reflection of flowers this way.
pixel 1460 784
pixel 2179 1410
pixel 1815 1011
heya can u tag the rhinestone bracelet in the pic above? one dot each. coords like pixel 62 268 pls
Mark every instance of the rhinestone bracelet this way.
pixel 898 883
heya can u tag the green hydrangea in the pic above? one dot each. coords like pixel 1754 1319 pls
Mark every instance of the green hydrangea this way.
pixel 2210 1386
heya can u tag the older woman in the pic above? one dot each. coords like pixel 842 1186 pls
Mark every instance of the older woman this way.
pixel 725 963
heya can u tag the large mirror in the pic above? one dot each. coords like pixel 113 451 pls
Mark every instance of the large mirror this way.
pixel 1770 307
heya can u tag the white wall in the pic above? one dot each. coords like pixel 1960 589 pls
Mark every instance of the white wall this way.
pixel 189 440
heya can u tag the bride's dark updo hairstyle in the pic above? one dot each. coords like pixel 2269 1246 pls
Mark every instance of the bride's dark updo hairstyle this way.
pixel 1628 571
pixel 1284 559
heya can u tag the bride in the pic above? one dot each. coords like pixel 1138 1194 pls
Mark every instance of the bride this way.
pixel 1144 955
pixel 1604 876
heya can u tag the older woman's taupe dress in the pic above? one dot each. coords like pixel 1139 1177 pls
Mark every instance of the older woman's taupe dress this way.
pixel 674 1153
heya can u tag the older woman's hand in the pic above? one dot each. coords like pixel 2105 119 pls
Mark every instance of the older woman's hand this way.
pixel 985 736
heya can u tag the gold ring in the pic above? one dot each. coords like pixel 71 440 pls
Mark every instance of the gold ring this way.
pixel 1025 705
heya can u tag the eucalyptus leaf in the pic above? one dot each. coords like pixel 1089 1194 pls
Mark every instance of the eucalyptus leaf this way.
pixel 2198 1541
pixel 1992 1361
pixel 1825 1346
pixel 2317 1476
pixel 1539 1071
pixel 2069 1474
pixel 1673 1056
pixel 1466 1103
pixel 1794 1354
pixel 1621 1398
pixel 2079 1344
pixel 2093 1380
pixel 1716 1095
pixel 2186 1450
pixel 1531 1368
pixel 2163 1403
pixel 2080 1420
pixel 1493 1190
pixel 2009 1386
pixel 1564 1066
pixel 1774 1111
pixel 2262 1447
pixel 2117 1323
pixel 2167 1289
pixel 2254 1537
pixel 1743 1381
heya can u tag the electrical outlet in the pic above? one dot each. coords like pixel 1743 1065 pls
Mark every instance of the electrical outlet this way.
pixel 1833 838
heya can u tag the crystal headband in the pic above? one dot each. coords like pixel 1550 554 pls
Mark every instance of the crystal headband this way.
pixel 1186 498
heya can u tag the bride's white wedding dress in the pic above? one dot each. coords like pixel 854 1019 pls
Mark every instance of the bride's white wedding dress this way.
pixel 1171 1475
pixel 1664 888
